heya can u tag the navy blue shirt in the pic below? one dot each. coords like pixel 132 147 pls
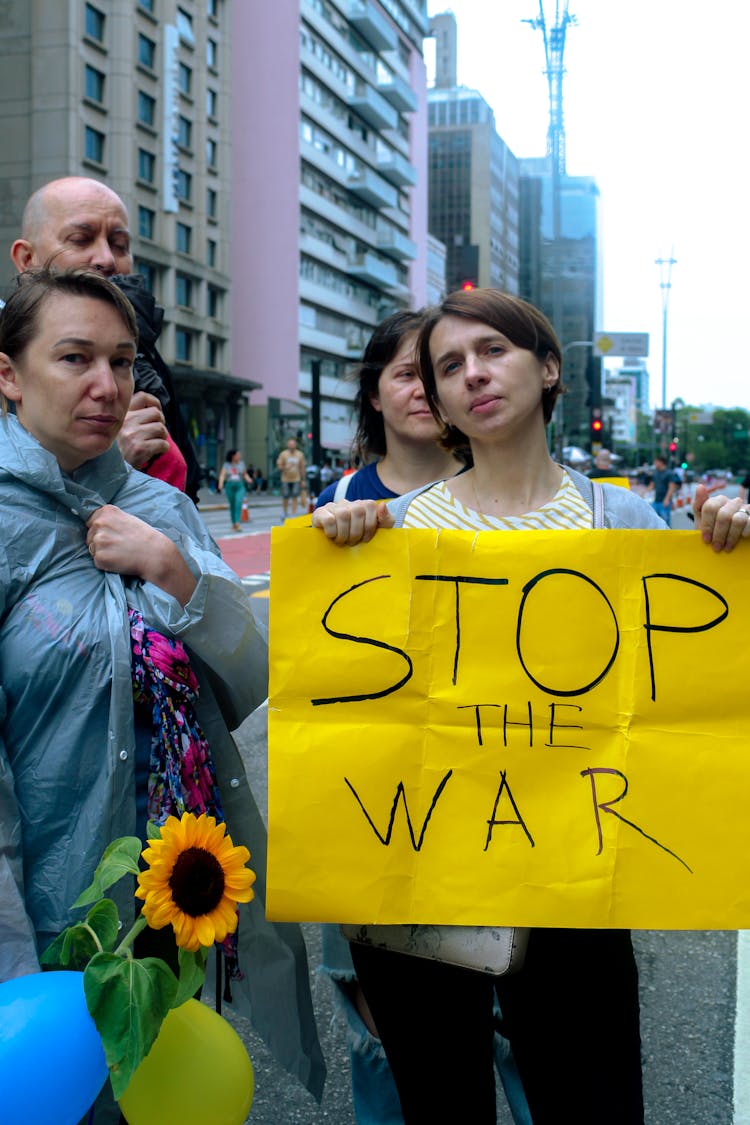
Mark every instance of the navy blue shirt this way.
pixel 365 484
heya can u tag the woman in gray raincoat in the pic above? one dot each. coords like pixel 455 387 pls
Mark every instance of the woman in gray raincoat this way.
pixel 92 554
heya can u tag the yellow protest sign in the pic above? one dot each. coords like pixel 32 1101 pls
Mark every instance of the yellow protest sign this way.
pixel 513 728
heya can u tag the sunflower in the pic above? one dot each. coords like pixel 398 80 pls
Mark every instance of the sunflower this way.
pixel 195 878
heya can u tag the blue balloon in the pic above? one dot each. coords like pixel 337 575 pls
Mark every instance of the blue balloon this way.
pixel 52 1063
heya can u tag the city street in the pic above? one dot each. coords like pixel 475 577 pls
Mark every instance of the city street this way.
pixel 694 1056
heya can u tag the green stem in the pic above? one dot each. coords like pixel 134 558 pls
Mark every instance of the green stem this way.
pixel 124 946
pixel 99 945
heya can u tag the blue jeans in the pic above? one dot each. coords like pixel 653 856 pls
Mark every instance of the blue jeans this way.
pixel 374 1094
pixel 663 510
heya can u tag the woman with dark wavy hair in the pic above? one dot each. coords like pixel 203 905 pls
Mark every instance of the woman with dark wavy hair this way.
pixel 396 435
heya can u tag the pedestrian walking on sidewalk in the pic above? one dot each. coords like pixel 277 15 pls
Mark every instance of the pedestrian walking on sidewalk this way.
pixel 234 479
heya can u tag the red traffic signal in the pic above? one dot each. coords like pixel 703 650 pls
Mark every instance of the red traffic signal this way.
pixel 596 425
pixel 467 286
pixel 673 445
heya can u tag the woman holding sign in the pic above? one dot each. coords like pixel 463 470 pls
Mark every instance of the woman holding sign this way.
pixel 491 367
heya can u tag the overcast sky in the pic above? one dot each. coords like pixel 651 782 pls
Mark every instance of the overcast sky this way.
pixel 656 102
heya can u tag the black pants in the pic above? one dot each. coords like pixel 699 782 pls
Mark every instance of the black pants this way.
pixel 571 1015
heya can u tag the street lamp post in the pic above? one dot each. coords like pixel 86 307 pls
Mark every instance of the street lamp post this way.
pixel 665 267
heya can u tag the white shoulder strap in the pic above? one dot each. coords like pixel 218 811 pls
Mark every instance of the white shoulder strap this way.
pixel 598 498
pixel 342 487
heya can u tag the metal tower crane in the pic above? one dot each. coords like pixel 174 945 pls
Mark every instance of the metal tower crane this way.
pixel 554 49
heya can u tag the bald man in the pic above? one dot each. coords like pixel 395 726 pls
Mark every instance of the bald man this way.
pixel 79 222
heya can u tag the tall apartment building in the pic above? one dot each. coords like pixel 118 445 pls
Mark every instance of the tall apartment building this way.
pixel 473 177
pixel 329 201
pixel 136 93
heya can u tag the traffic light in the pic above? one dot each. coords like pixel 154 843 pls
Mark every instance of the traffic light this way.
pixel 673 445
pixel 596 423
pixel 468 285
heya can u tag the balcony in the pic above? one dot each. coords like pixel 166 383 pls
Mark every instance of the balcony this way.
pixel 372 107
pixel 371 269
pixel 397 169
pixel 372 25
pixel 372 188
pixel 396 244
pixel 399 94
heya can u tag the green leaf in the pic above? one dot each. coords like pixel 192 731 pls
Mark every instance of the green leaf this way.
pixel 120 858
pixel 105 922
pixel 128 1001
pixel 153 830
pixel 192 974
pixel 78 947
pixel 52 956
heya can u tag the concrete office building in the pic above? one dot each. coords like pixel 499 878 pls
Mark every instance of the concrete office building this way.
pixel 473 177
pixel 329 202
pixel 136 93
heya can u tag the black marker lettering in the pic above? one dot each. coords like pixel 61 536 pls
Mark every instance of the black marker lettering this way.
pixel 362 641
pixel 651 628
pixel 509 723
pixel 401 795
pixel 477 708
pixel 517 820
pixel 554 725
pixel 526 592
pixel 457 579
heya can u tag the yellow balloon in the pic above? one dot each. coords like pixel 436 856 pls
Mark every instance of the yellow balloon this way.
pixel 197 1071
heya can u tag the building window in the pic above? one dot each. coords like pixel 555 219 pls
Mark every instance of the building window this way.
pixel 213 353
pixel 183 345
pixel 213 302
pixel 146 108
pixel 183 184
pixel 211 103
pixel 146 51
pixel 184 78
pixel 148 273
pixel 184 132
pixel 94 84
pixel 211 203
pixel 183 238
pixel 94 23
pixel 185 27
pixel 212 54
pixel 146 165
pixel 146 219
pixel 212 9
pixel 212 153
pixel 183 291
pixel 94 145
pixel 147 5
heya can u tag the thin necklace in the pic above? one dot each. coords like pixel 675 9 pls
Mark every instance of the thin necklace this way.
pixel 477 505
pixel 485 514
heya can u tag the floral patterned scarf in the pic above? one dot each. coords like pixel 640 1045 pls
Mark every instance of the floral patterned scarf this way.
pixel 182 777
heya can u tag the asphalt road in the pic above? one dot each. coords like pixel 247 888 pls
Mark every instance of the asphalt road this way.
pixel 688 979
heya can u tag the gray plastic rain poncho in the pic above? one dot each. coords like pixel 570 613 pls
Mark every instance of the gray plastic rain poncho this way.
pixel 66 717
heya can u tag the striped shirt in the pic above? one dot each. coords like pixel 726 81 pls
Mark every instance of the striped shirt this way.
pixel 437 507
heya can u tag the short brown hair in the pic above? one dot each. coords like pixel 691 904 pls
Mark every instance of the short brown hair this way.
pixel 523 324
pixel 20 317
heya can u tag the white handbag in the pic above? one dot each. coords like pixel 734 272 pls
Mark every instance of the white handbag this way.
pixel 487 949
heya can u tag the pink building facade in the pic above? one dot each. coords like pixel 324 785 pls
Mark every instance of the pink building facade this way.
pixel 328 203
